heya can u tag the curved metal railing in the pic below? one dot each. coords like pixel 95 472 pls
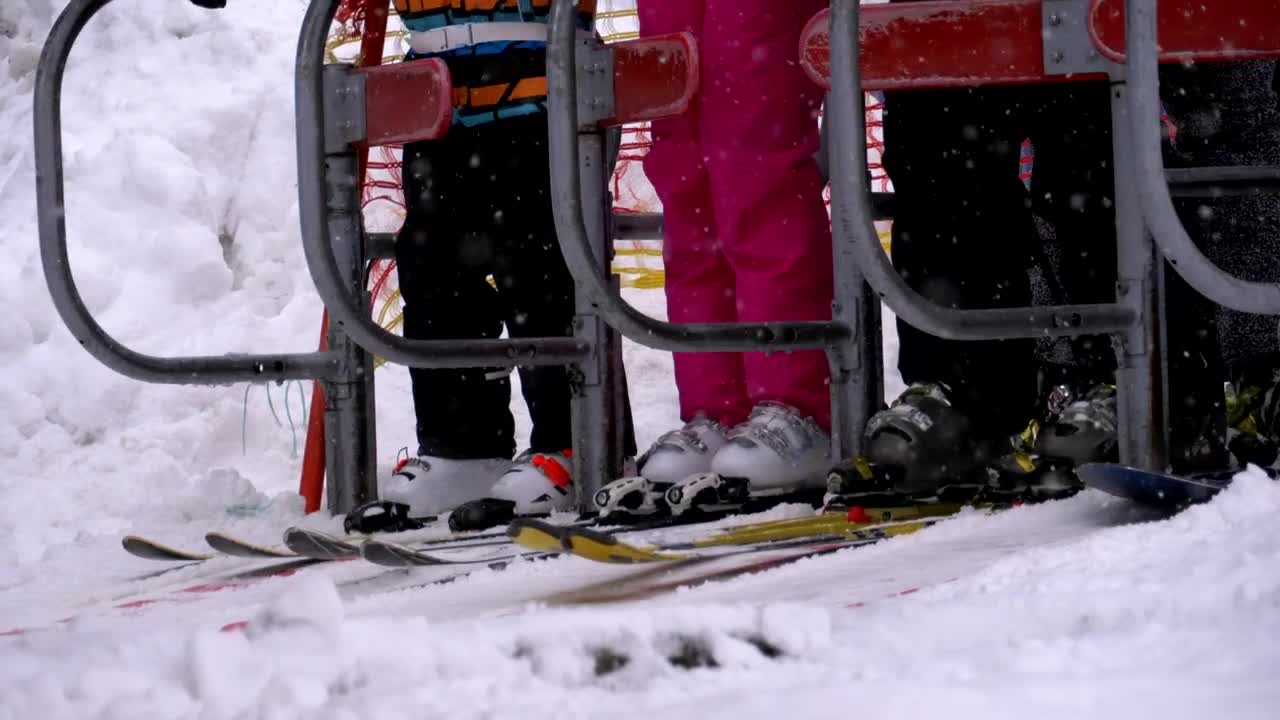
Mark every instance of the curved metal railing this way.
pixel 51 218
pixel 329 212
pixel 575 245
pixel 853 216
pixel 1142 63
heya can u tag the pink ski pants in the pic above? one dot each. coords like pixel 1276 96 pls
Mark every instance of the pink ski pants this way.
pixel 747 237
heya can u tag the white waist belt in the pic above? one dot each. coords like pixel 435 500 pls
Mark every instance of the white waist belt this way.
pixel 449 37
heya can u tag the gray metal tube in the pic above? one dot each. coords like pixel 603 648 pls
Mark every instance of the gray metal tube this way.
pixel 50 209
pixel 852 222
pixel 1171 237
pixel 562 105
pixel 594 462
pixel 317 243
pixel 1141 353
pixel 350 417
pixel 637 226
pixel 857 365
pixel 1218 181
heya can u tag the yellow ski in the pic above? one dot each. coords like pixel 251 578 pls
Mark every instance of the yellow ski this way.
pixel 824 529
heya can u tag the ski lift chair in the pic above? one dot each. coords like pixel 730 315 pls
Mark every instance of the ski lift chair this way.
pixel 851 50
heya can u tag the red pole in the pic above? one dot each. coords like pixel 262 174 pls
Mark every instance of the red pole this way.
pixel 311 487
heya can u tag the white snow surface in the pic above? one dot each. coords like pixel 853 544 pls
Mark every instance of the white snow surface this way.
pixel 182 217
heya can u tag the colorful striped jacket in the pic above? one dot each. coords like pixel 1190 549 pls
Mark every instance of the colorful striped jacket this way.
pixel 494 79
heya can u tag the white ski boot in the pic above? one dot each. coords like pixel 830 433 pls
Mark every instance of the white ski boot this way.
pixel 434 485
pixel 535 484
pixel 775 451
pixel 680 453
pixel 674 456
pixel 538 483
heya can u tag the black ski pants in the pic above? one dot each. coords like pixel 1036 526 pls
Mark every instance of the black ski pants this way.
pixel 965 234
pixel 968 233
pixel 479 205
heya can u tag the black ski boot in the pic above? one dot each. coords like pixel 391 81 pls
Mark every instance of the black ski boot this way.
pixel 1081 428
pixel 925 445
pixel 1078 429
pixel 1253 417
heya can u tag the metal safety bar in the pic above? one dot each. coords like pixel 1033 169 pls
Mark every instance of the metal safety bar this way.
pixel 51 217
pixel 330 214
pixel 1142 64
pixel 626 226
pixel 852 221
pixel 1219 181
pixel 1072 32
pixel 345 371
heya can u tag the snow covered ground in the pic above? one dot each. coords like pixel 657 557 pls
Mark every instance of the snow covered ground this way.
pixel 181 211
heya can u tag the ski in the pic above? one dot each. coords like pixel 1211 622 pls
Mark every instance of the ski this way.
pixel 828 524
pixel 727 555
pixel 320 545
pixel 301 542
pixel 659 578
pixel 149 549
pixel 324 546
pixel 409 550
pixel 236 547
pixel 1154 489
pixel 853 527
pixel 223 544
pixel 396 554
pixel 390 554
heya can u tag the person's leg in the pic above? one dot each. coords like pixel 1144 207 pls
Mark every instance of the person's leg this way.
pixel 963 237
pixel 536 288
pixel 1224 114
pixel 442 264
pixel 699 282
pixel 1221 114
pixel 1073 192
pixel 464 425
pixel 759 133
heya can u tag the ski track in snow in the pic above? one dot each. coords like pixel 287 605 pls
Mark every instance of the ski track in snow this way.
pixel 178 135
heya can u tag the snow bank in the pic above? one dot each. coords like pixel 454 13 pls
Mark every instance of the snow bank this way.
pixel 299 658
pixel 181 216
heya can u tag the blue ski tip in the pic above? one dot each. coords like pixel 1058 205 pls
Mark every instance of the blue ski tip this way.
pixel 1148 487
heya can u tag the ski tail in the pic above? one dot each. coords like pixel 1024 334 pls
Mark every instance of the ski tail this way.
pixel 150 549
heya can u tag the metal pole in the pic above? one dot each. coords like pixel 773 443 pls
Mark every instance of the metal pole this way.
pixel 591 411
pixel 350 441
pixel 857 367
pixel 1141 382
